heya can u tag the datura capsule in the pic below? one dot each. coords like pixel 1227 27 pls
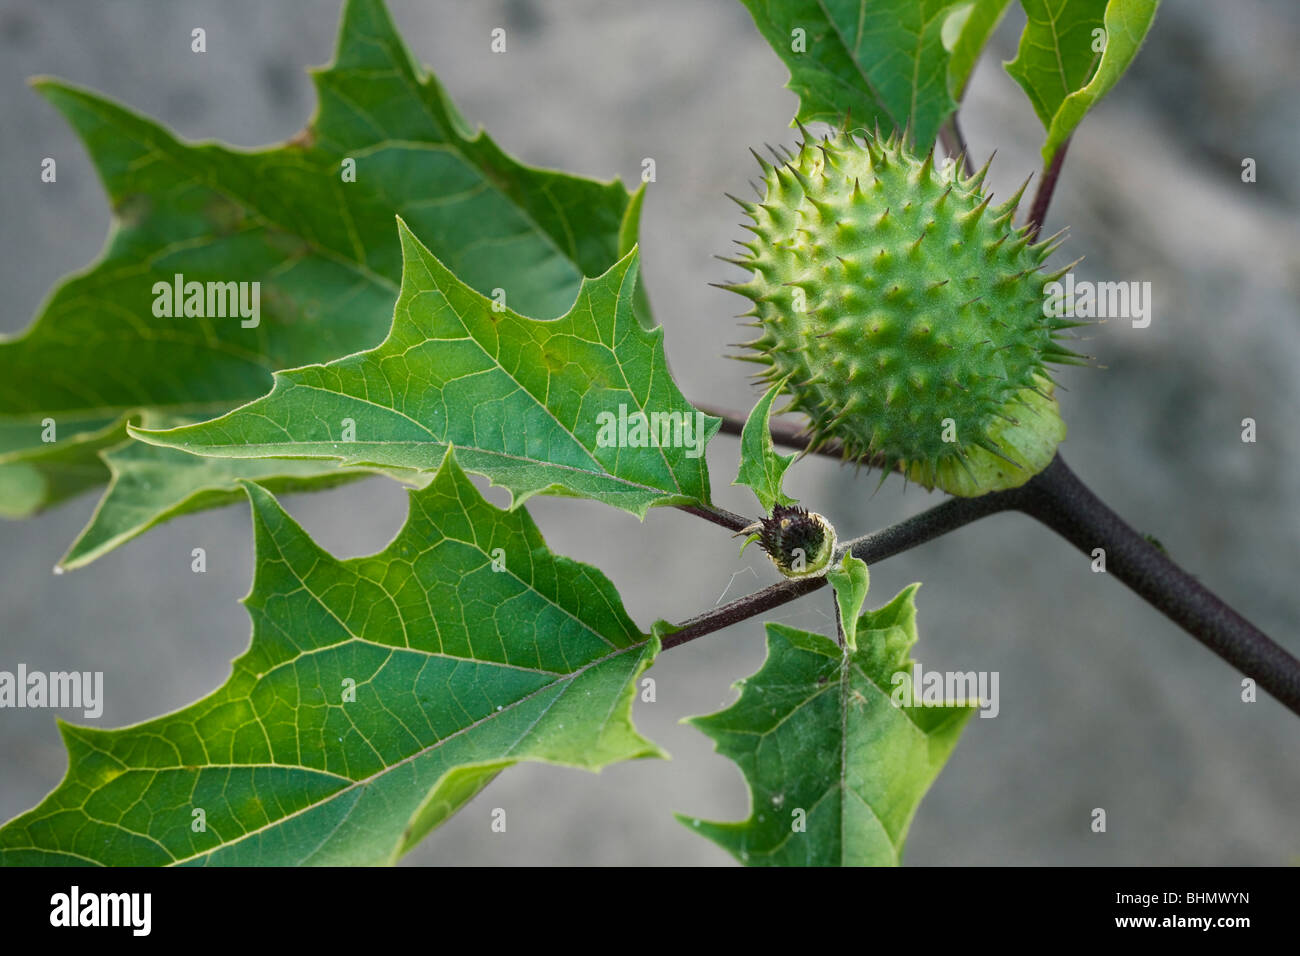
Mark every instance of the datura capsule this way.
pixel 906 313
pixel 800 543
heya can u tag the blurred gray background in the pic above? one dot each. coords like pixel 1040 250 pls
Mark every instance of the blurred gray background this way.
pixel 1104 703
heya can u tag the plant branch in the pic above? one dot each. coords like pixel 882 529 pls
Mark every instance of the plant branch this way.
pixel 1060 500
pixel 872 548
pixel 783 433
pixel 1057 498
pixel 1047 186
pixel 787 436
pixel 719 516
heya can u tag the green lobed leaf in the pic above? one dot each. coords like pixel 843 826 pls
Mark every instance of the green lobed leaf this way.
pixel 819 739
pixel 761 468
pixel 1059 68
pixel 323 250
pixel 878 61
pixel 460 671
pixel 150 485
pixel 527 403
pixel 970 27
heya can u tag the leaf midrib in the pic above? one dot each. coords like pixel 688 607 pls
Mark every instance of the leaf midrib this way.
pixel 423 751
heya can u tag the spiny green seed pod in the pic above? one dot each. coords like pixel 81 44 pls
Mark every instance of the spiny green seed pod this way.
pixel 906 312
pixel 800 543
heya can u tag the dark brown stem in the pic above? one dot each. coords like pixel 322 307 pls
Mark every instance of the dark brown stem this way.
pixel 719 516
pixel 787 436
pixel 1058 499
pixel 872 548
pixel 783 433
pixel 1043 197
